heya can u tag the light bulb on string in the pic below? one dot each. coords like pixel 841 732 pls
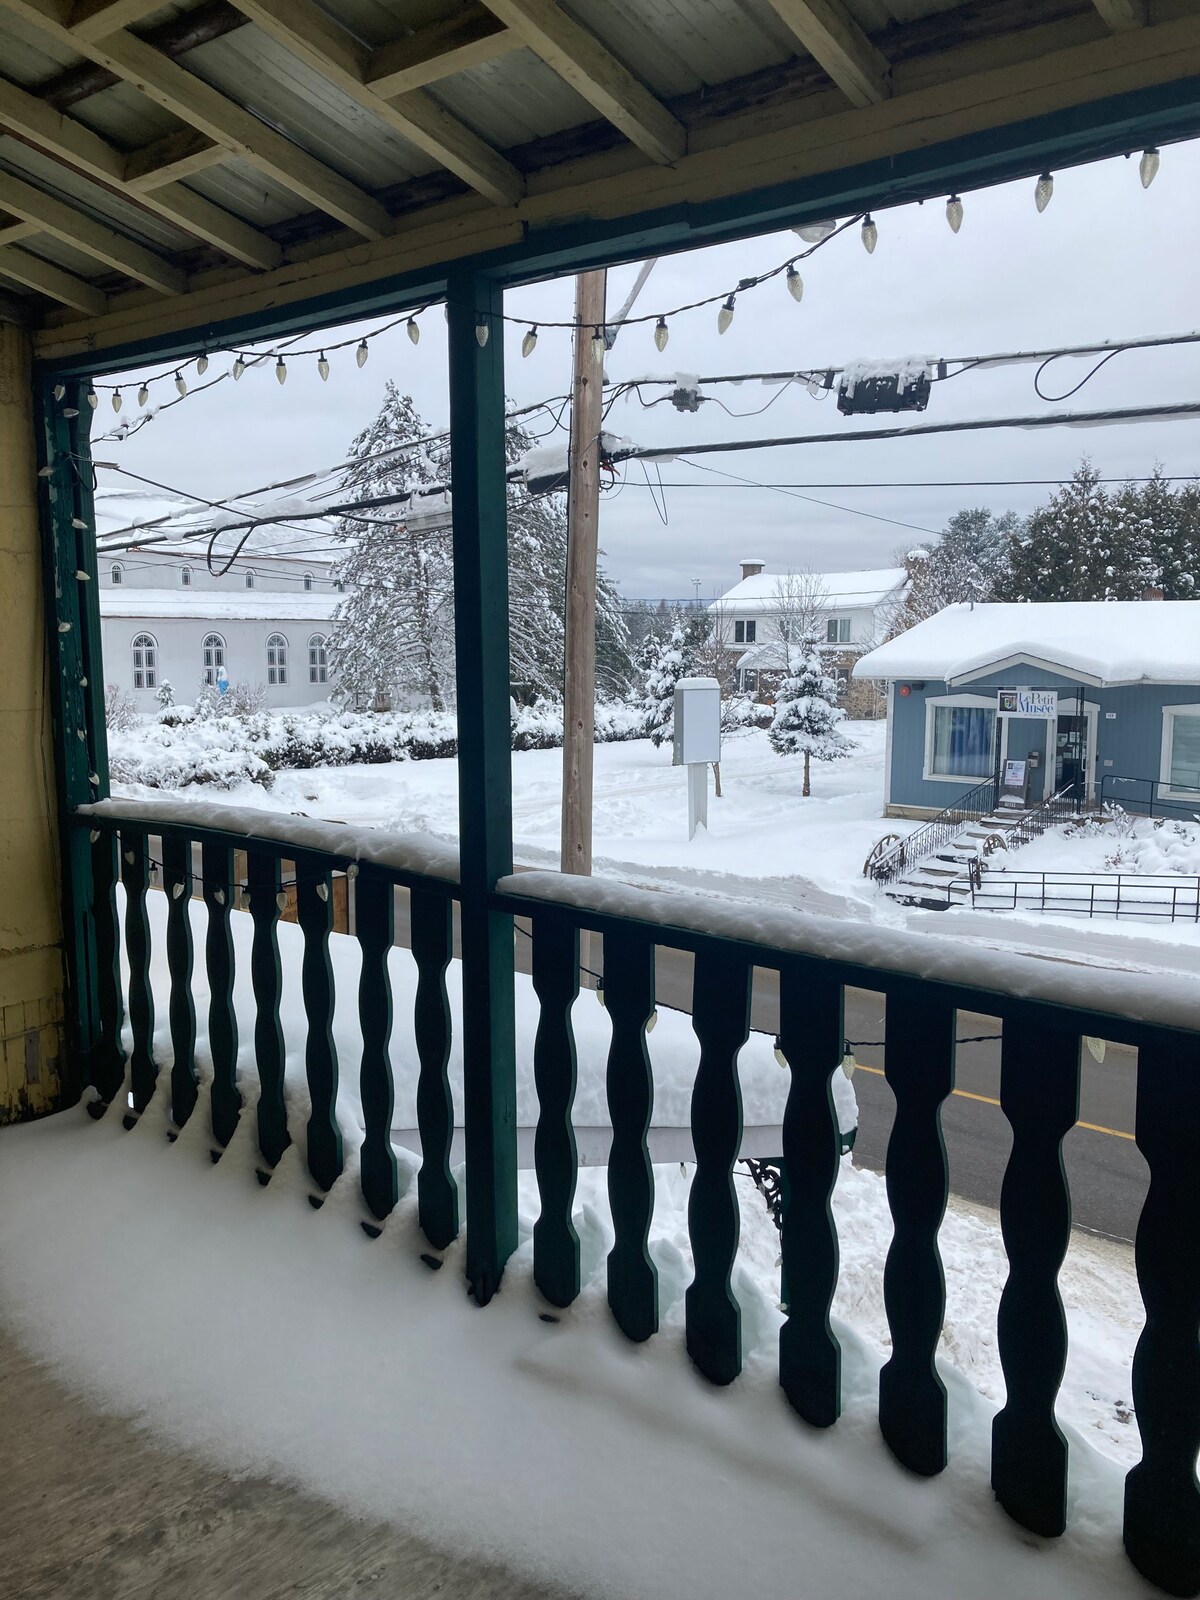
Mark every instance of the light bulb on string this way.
pixel 482 331
pixel 414 333
pixel 361 354
pixel 529 342
pixel 60 390
pixel 181 384
pixel 323 367
pixel 1043 192
pixel 1148 166
pixel 795 284
pixel 116 400
pixel 954 213
pixel 143 395
pixel 239 366
pixel 201 366
pixel 661 334
pixel 870 234
pixel 725 316
pixel 93 399
pixel 281 370
pixel 598 345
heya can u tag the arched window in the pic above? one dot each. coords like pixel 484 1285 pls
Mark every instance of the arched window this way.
pixel 116 573
pixel 251 577
pixel 308 581
pixel 214 657
pixel 185 577
pixel 318 659
pixel 145 662
pixel 277 662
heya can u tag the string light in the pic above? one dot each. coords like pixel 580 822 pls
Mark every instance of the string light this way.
pixel 1043 192
pixel 661 334
pixel 201 365
pixel 529 342
pixel 93 399
pixel 481 331
pixel 1148 166
pixel 116 400
pixel 870 234
pixel 815 232
pixel 323 367
pixel 725 316
pixel 414 333
pixel 143 395
pixel 954 213
pixel 239 366
pixel 361 354
pixel 181 384
pixel 795 284
pixel 60 390
pixel 281 370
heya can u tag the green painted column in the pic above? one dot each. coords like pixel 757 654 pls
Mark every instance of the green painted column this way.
pixel 484 772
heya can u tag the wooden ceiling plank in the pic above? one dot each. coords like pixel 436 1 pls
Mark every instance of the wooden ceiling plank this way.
pixel 69 140
pixel 332 51
pixel 85 233
pixel 595 73
pixel 834 39
pixel 215 114
pixel 1122 14
pixel 466 40
pixel 34 273
pixel 92 19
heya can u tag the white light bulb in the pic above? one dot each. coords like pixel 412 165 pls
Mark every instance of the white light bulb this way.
pixel 181 384
pixel 725 316
pixel 201 366
pixel 143 395
pixel 1148 166
pixel 116 400
pixel 795 284
pixel 814 232
pixel 1045 188
pixel 281 370
pixel 481 332
pixel 661 334
pixel 239 366
pixel 954 213
pixel 93 399
pixel 529 342
pixel 598 346
pixel 60 390
pixel 870 234
pixel 361 354
pixel 323 367
pixel 414 333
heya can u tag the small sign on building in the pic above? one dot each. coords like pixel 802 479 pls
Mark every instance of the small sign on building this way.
pixel 1041 703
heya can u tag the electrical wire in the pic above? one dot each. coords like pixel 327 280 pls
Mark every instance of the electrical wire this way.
pixel 830 505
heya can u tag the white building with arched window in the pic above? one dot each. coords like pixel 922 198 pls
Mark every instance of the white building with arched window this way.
pixel 169 615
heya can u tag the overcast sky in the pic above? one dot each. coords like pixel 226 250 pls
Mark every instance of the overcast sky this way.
pixel 1106 260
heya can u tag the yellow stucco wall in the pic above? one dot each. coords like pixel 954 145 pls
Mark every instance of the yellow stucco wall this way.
pixel 31 957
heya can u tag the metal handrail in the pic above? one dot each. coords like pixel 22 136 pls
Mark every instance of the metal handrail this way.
pixel 939 830
pixel 1156 786
pixel 1114 894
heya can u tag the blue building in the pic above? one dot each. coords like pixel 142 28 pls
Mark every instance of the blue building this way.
pixel 1120 689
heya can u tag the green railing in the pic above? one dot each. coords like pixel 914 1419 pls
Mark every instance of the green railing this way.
pixel 1045 1008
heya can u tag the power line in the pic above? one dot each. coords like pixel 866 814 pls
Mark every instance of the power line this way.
pixel 914 483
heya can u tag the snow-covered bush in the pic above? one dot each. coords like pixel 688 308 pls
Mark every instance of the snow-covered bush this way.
pixel 216 751
pixel 120 713
pixel 806 711
pixel 244 699
pixel 165 695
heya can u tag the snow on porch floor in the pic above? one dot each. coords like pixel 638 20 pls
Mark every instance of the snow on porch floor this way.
pixel 238 1324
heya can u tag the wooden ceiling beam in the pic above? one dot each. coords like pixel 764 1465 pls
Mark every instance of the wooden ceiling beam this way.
pixel 595 73
pixel 62 136
pixel 34 273
pixel 1122 14
pixel 195 102
pixel 834 39
pixel 465 40
pixel 83 232
pixel 334 52
pixel 92 19
pixel 175 156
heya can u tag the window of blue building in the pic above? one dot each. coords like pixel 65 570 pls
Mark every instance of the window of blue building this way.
pixel 960 739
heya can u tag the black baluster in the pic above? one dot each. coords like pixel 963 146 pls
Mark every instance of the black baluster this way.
pixel 216 869
pixel 181 1011
pixel 556 983
pixel 1039 1094
pixel 135 875
pixel 374 925
pixel 314 909
pixel 1162 1501
pixel 266 976
pixel 812 1037
pixel 721 1018
pixel 109 1070
pixel 437 1192
pixel 919 1062
pixel 629 1000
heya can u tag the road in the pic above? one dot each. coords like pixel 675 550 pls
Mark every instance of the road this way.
pixel 1107 1175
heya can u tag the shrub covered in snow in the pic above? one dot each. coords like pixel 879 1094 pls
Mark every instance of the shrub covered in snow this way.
pixel 806 711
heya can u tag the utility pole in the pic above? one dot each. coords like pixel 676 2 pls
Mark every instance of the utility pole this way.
pixel 583 517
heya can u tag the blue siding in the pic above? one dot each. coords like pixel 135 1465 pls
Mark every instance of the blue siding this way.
pixel 1128 745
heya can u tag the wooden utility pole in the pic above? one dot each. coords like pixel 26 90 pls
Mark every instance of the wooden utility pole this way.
pixel 583 517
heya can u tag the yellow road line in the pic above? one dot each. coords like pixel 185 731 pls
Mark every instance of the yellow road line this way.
pixel 965 1094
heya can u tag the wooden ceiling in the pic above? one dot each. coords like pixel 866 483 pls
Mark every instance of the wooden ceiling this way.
pixel 162 163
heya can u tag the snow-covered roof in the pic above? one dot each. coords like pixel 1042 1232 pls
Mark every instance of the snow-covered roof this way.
pixel 1101 641
pixel 868 588
pixel 239 605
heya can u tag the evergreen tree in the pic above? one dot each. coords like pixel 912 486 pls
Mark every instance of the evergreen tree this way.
pixel 1085 544
pixel 1165 527
pixel 807 715
pixel 663 669
pixel 967 562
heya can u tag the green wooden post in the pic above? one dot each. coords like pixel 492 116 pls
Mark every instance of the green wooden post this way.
pixel 484 772
pixel 77 699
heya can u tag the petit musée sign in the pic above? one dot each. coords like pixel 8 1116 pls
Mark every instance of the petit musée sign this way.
pixel 1027 702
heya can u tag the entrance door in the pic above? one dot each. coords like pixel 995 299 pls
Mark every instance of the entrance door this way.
pixel 1071 757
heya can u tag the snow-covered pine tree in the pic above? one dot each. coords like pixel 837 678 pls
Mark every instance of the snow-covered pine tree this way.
pixel 1164 526
pixel 663 670
pixel 965 563
pixel 807 715
pixel 1084 544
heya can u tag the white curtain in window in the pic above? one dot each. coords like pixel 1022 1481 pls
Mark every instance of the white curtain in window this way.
pixel 963 741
